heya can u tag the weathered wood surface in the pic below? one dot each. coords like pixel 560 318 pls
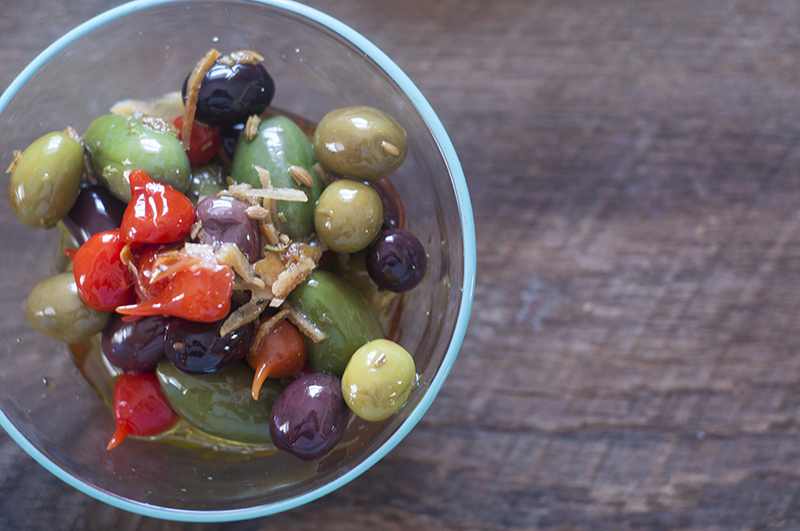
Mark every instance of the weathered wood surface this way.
pixel 632 360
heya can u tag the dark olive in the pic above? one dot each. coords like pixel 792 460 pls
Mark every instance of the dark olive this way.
pixel 197 348
pixel 136 346
pixel 225 221
pixel 96 210
pixel 309 417
pixel 229 94
pixel 397 261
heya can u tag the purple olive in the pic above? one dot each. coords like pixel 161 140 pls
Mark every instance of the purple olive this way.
pixel 225 220
pixel 95 210
pixel 396 260
pixel 309 417
pixel 197 348
pixel 229 94
pixel 392 207
pixel 136 346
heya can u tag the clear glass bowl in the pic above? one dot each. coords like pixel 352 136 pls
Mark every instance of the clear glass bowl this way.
pixel 145 49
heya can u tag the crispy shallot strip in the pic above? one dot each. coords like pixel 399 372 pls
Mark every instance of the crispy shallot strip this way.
pixel 292 276
pixel 282 194
pixel 196 228
pixel 192 92
pixel 171 262
pixel 251 127
pixel 270 234
pixel 246 313
pixel 263 176
pixel 236 191
pixel 73 134
pixel 265 327
pixel 128 260
pixel 306 326
pixel 169 106
pixel 17 157
pixel 241 57
pixel 230 254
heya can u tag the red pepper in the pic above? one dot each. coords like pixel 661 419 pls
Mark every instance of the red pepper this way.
pixel 156 213
pixel 104 282
pixel 281 354
pixel 140 407
pixel 200 293
pixel 205 143
pixel 146 290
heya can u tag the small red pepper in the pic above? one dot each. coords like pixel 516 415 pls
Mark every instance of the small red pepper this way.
pixel 145 289
pixel 281 354
pixel 156 213
pixel 200 293
pixel 205 143
pixel 103 281
pixel 140 407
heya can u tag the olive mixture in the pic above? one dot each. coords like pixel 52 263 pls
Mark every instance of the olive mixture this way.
pixel 232 258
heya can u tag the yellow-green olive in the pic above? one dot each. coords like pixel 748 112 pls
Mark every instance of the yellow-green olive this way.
pixel 348 216
pixel 55 309
pixel 378 379
pixel 360 142
pixel 46 181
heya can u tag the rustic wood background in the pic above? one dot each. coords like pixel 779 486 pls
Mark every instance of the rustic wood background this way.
pixel 632 358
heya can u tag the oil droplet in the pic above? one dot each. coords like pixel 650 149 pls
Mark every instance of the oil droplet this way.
pixel 215 39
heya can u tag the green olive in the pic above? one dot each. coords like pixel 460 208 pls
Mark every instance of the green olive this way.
pixel 348 216
pixel 341 313
pixel 118 145
pixel 206 180
pixel 378 379
pixel 46 181
pixel 220 404
pixel 55 310
pixel 279 145
pixel 360 142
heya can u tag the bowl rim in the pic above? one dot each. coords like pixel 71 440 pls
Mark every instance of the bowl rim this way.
pixel 468 288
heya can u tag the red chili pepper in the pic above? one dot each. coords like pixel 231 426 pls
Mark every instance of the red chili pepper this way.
pixel 140 407
pixel 205 143
pixel 281 354
pixel 156 213
pixel 104 282
pixel 201 293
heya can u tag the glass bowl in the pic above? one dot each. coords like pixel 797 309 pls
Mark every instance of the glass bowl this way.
pixel 145 49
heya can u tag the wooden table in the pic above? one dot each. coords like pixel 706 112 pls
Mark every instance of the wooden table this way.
pixel 632 358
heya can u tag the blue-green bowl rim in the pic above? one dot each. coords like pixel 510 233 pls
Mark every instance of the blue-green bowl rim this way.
pixel 467 227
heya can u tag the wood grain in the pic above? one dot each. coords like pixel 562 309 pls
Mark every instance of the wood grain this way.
pixel 632 358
